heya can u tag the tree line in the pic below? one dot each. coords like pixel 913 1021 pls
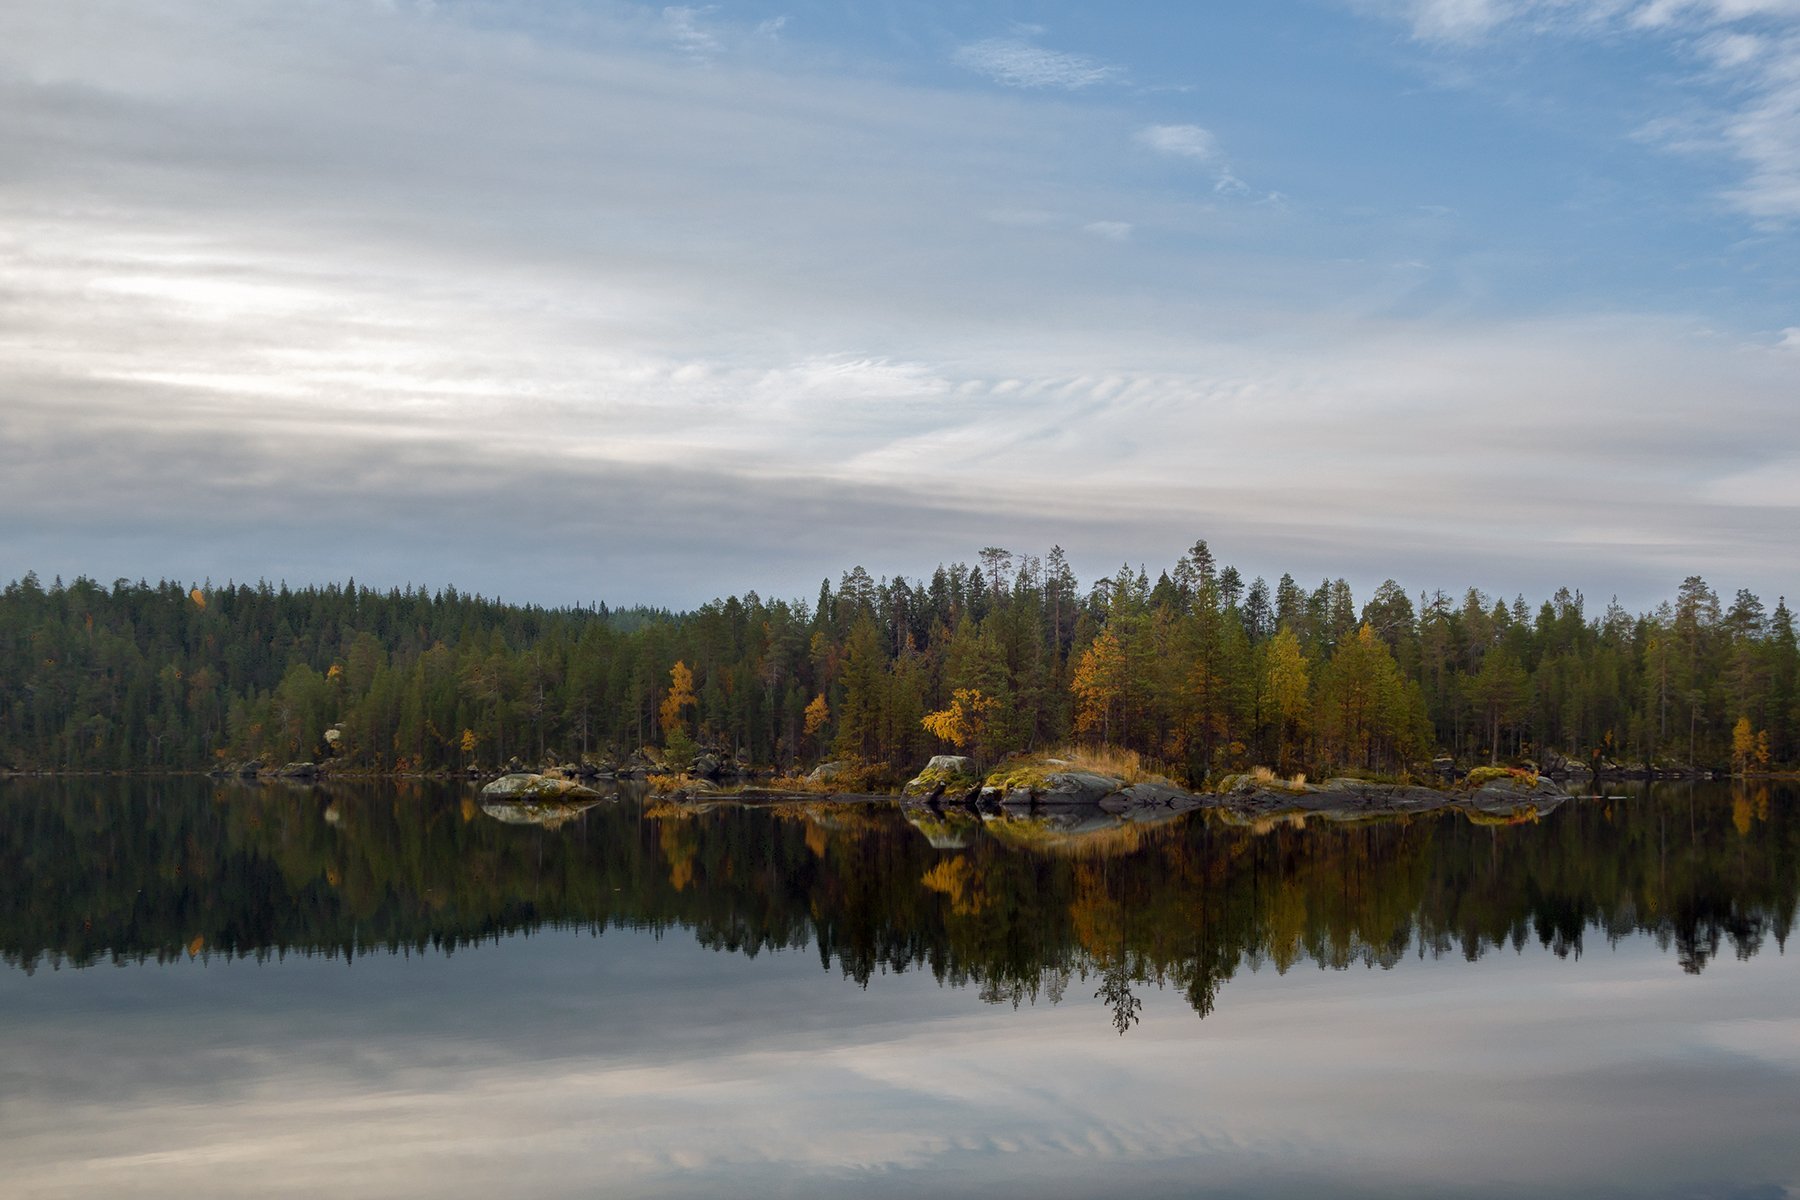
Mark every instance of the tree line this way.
pixel 1198 670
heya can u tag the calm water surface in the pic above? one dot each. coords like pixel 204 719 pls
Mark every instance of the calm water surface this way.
pixel 235 990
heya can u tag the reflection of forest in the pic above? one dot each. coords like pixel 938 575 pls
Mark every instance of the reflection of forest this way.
pixel 94 870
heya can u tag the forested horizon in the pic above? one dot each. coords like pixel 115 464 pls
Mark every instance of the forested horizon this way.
pixel 1197 669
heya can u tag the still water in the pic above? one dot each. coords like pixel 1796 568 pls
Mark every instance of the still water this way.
pixel 390 991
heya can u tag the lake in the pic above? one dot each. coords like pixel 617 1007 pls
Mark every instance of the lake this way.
pixel 388 990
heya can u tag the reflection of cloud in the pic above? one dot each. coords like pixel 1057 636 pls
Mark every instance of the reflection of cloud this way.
pixel 635 1078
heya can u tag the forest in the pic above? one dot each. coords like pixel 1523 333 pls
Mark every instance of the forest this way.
pixel 1197 670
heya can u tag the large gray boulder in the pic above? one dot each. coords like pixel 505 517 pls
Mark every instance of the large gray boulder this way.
pixel 1077 788
pixel 524 785
pixel 826 772
pixel 944 773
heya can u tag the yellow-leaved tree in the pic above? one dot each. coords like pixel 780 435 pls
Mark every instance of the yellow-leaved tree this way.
pixel 1099 685
pixel 1743 745
pixel 965 722
pixel 1288 691
pixel 674 723
pixel 818 715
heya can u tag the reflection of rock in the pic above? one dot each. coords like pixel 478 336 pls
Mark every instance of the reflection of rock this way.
pixel 522 785
pixel 949 829
pixel 547 813
pixel 1080 832
pixel 1503 801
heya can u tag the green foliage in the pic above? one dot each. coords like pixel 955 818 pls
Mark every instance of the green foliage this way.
pixel 1198 672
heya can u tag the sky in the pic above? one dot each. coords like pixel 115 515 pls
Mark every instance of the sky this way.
pixel 572 301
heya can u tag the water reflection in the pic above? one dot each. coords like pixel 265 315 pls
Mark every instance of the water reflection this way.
pixel 1015 906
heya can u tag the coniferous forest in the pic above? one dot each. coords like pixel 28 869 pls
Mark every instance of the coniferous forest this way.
pixel 1198 670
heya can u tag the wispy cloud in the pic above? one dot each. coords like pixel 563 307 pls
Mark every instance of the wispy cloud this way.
pixel 1179 141
pixel 1744 103
pixel 1195 144
pixel 685 27
pixel 1022 64
pixel 485 258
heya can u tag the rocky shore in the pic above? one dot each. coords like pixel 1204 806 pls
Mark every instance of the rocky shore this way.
pixel 1051 784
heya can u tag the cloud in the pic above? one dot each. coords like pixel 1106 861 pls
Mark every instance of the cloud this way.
pixel 1746 106
pixel 1021 64
pixel 685 28
pixel 1454 20
pixel 1195 144
pixel 1112 231
pixel 285 293
pixel 1179 141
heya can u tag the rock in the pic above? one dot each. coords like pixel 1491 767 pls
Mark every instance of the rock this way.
pixel 298 770
pixel 826 772
pixel 704 766
pixel 251 767
pixel 943 773
pixel 1165 794
pixel 521 785
pixel 1070 788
